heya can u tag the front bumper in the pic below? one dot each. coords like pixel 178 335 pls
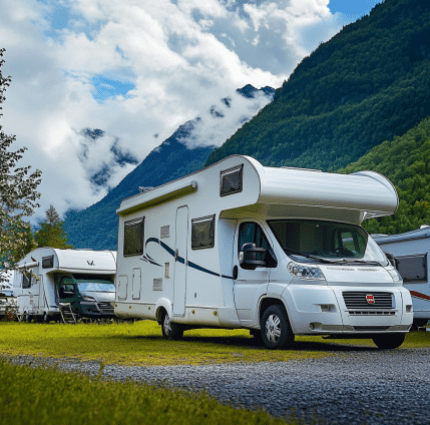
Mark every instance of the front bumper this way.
pixel 97 310
pixel 326 310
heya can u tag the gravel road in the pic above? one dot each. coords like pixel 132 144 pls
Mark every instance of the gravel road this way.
pixel 363 386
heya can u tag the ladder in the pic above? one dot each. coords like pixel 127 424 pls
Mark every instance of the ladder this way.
pixel 67 314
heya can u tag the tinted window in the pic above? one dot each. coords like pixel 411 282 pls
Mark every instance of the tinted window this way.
pixel 133 237
pixel 231 181
pixel 203 232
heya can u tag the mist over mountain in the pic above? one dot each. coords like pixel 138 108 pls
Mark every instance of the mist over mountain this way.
pixel 184 152
pixel 368 84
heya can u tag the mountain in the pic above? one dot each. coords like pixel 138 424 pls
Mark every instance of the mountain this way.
pixel 182 153
pixel 97 226
pixel 368 84
pixel 405 161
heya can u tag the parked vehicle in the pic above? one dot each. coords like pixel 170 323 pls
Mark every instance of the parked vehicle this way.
pixel 279 251
pixel 7 299
pixel 410 251
pixel 79 281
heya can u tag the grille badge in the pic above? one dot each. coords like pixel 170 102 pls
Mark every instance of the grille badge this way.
pixel 370 299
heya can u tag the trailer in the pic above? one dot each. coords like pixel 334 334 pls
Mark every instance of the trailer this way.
pixel 410 251
pixel 65 284
pixel 278 251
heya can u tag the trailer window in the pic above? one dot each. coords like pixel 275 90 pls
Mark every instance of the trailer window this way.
pixel 231 181
pixel 412 268
pixel 133 237
pixel 27 280
pixel 48 262
pixel 203 232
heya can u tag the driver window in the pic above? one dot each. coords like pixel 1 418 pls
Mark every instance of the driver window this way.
pixel 252 232
pixel 66 290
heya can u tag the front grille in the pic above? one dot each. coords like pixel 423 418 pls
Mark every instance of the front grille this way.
pixel 358 300
pixel 371 313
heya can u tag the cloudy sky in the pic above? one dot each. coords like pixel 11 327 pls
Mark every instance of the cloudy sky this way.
pixel 137 69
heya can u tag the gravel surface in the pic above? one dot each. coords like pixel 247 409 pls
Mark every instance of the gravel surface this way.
pixel 351 387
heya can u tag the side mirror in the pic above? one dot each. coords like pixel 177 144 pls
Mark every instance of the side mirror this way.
pixel 391 259
pixel 249 254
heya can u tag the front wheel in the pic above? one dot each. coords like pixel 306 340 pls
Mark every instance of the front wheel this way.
pixel 389 341
pixel 275 328
pixel 171 330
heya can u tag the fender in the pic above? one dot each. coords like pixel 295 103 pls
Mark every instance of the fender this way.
pixel 163 303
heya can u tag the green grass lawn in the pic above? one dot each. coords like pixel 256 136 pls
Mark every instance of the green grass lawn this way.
pixel 45 397
pixel 141 343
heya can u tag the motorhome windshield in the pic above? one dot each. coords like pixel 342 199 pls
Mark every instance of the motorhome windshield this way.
pixel 96 287
pixel 324 241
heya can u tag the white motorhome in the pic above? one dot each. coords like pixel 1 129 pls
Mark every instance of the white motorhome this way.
pixel 83 279
pixel 411 255
pixel 279 251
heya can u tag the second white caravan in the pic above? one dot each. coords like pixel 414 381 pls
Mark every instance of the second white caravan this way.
pixel 279 251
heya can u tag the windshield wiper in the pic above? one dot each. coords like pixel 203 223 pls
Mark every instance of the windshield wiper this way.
pixel 359 261
pixel 310 256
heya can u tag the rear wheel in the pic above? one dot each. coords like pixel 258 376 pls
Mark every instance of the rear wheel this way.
pixel 171 330
pixel 389 341
pixel 275 328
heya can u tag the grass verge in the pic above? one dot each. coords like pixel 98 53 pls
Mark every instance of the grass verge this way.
pixel 46 396
pixel 141 343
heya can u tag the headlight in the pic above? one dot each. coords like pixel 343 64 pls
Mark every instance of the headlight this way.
pixel 395 275
pixel 305 272
pixel 91 299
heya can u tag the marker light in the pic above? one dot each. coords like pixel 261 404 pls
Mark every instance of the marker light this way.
pixel 395 275
pixel 305 272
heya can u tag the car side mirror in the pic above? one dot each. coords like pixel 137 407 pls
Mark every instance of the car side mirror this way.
pixel 391 259
pixel 249 256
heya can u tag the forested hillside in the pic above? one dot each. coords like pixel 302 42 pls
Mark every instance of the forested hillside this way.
pixel 406 162
pixel 368 84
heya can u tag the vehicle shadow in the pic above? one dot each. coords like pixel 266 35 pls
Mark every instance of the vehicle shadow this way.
pixel 251 343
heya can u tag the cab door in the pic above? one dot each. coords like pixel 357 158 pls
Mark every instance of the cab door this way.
pixel 250 285
pixel 68 293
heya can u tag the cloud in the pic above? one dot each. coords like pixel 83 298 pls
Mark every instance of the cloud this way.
pixel 136 69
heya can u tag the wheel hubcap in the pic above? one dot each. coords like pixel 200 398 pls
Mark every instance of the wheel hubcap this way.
pixel 167 325
pixel 273 328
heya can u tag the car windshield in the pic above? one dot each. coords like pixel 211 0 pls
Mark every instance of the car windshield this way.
pixel 324 241
pixel 96 287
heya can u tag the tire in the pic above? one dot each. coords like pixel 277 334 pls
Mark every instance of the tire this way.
pixel 389 341
pixel 275 328
pixel 171 330
pixel 28 318
pixel 46 318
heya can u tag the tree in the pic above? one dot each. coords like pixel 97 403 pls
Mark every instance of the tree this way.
pixel 51 232
pixel 18 195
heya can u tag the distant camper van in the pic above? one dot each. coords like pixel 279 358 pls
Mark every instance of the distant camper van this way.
pixel 278 251
pixel 411 255
pixel 81 280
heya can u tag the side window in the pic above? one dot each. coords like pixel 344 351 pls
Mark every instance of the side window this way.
pixel 66 289
pixel 133 237
pixel 203 232
pixel 231 181
pixel 27 280
pixel 252 232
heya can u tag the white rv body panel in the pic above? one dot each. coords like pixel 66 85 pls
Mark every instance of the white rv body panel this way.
pixel 40 297
pixel 411 251
pixel 218 290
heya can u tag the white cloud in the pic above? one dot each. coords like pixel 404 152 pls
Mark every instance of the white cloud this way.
pixel 180 57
